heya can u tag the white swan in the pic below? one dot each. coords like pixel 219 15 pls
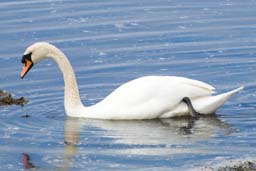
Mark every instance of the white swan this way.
pixel 143 98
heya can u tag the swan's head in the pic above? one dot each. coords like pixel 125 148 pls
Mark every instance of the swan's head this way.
pixel 34 54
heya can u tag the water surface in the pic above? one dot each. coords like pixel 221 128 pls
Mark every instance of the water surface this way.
pixel 109 43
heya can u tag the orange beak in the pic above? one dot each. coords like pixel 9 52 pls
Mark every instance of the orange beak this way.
pixel 27 66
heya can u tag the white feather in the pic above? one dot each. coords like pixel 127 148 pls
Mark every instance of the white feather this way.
pixel 157 97
pixel 143 98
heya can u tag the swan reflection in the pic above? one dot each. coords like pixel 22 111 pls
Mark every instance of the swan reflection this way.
pixel 85 138
pixel 151 137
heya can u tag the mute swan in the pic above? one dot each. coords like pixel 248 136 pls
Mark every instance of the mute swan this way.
pixel 147 97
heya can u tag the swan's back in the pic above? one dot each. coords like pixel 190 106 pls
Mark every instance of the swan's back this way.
pixel 150 96
pixel 145 88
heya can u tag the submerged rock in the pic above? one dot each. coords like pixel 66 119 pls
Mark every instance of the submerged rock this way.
pixel 26 161
pixel 240 166
pixel 7 99
pixel 234 166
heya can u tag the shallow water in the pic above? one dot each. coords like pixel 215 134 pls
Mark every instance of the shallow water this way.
pixel 109 43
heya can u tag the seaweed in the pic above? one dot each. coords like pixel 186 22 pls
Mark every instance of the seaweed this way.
pixel 7 99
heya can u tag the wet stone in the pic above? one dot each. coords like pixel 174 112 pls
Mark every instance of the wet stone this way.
pixel 241 166
pixel 236 166
pixel 7 99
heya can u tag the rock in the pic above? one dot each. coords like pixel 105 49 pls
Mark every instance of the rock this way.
pixel 7 99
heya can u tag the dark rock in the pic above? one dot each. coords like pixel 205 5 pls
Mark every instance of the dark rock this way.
pixel 7 99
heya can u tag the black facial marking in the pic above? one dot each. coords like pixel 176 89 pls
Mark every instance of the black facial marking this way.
pixel 25 60
pixel 27 56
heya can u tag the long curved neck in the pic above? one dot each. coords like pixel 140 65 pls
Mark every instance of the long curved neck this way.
pixel 71 93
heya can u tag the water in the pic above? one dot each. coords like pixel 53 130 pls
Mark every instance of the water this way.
pixel 109 43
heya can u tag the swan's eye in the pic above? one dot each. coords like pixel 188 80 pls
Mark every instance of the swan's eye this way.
pixel 27 56
pixel 26 60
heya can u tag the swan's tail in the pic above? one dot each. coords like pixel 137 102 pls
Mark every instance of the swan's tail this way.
pixel 209 105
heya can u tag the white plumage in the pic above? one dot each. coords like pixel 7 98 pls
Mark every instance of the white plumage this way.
pixel 147 97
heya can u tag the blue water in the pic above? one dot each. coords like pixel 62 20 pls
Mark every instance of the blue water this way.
pixel 109 43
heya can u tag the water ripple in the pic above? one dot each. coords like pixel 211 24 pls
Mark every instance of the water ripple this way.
pixel 112 42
